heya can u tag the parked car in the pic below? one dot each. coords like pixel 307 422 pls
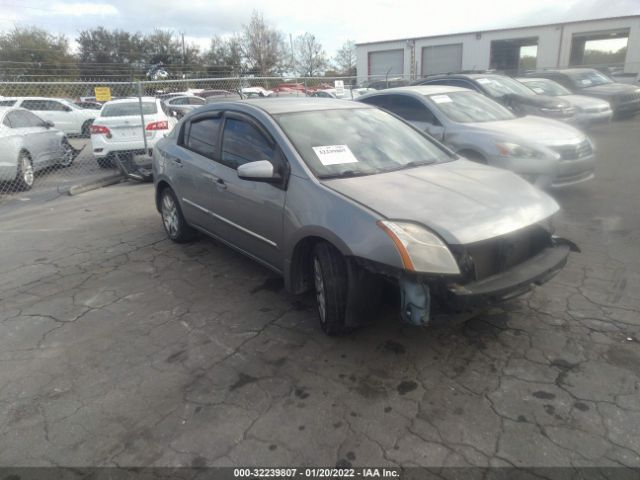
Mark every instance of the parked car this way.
pixel 88 105
pixel 509 92
pixel 256 91
pixel 345 94
pixel 624 98
pixel 119 129
pixel 29 144
pixel 387 83
pixel 179 106
pixel 335 194
pixel 214 93
pixel 589 110
pixel 66 116
pixel 544 151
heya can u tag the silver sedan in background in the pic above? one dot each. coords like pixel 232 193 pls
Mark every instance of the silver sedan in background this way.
pixel 544 151
pixel 29 144
pixel 589 110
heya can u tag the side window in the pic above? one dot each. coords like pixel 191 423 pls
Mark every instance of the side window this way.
pixel 202 136
pixel 19 120
pixel 195 101
pixel 43 105
pixel 33 120
pixel 179 101
pixel 379 101
pixel 410 109
pixel 243 143
pixel 7 103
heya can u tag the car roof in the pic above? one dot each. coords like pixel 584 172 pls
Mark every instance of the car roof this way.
pixel 426 89
pixel 533 79
pixel 130 99
pixel 274 106
pixel 566 71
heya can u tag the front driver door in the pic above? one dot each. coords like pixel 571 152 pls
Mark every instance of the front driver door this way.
pixel 251 211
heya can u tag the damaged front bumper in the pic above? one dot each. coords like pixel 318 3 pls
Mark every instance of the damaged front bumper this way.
pixel 417 296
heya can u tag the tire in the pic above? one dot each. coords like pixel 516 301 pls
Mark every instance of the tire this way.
pixel 85 131
pixel 331 287
pixel 25 175
pixel 106 162
pixel 67 154
pixel 173 220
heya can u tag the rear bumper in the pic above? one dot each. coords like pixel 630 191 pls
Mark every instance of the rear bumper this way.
pixel 511 283
pixel 102 147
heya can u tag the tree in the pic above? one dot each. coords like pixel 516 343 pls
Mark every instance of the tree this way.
pixel 262 46
pixel 224 56
pixel 309 56
pixel 116 51
pixel 33 52
pixel 345 59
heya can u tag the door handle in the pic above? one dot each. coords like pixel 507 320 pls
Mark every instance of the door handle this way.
pixel 220 184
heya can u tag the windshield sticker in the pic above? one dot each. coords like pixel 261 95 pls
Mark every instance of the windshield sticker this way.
pixel 334 155
pixel 585 81
pixel 537 89
pixel 484 81
pixel 441 98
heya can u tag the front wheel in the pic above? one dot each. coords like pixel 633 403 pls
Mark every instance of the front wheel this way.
pixel 172 219
pixel 330 282
pixel 67 154
pixel 25 176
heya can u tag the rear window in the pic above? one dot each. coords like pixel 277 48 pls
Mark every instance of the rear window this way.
pixel 7 103
pixel 128 109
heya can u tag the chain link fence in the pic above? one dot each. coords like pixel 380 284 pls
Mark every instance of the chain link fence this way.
pixel 50 139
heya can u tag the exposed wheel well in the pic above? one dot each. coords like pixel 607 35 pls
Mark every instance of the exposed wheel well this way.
pixel 472 155
pixel 300 270
pixel 159 189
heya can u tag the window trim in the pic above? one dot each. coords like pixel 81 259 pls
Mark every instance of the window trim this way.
pixel 185 132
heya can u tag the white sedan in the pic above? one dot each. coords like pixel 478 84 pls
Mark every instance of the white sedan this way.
pixel 29 144
pixel 67 117
pixel 119 128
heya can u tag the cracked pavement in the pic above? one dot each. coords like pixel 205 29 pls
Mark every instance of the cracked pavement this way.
pixel 119 347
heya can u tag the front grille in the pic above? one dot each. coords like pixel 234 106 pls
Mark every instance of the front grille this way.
pixel 574 152
pixel 497 255
pixel 630 97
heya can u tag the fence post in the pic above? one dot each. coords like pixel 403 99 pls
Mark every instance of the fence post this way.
pixel 144 133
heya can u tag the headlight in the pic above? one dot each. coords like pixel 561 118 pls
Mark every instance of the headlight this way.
pixel 515 150
pixel 419 249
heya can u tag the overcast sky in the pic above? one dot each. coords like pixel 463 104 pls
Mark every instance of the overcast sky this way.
pixel 332 21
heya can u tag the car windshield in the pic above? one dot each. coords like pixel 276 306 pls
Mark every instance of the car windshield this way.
pixel 469 107
pixel 588 78
pixel 128 108
pixel 547 87
pixel 498 86
pixel 360 141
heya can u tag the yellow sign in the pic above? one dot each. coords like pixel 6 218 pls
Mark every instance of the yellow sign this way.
pixel 103 94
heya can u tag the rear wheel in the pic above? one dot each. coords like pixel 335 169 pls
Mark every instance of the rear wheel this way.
pixel 172 219
pixel 330 282
pixel 25 176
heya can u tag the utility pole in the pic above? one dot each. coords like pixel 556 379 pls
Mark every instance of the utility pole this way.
pixel 183 51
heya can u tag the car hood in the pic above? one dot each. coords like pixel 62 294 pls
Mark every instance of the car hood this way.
pixel 540 101
pixel 462 201
pixel 609 89
pixel 545 131
pixel 583 101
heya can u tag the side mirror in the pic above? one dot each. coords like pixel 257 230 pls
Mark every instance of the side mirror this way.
pixel 260 171
pixel 66 108
pixel 49 124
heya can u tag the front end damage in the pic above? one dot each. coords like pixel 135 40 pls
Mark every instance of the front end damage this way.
pixel 492 271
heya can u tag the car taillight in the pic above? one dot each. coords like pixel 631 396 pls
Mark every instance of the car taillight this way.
pixel 99 129
pixel 161 125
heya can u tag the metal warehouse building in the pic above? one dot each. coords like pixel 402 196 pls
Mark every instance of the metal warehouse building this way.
pixel 558 45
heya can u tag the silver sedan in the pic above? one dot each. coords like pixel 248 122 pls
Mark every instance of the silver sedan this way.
pixel 544 151
pixel 589 110
pixel 336 196
pixel 29 144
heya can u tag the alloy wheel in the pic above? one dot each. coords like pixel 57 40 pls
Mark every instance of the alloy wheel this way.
pixel 27 171
pixel 170 215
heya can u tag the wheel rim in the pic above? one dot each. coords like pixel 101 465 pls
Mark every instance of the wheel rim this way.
pixel 67 155
pixel 27 171
pixel 320 295
pixel 170 215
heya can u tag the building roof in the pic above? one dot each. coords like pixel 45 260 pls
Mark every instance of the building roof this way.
pixel 499 29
